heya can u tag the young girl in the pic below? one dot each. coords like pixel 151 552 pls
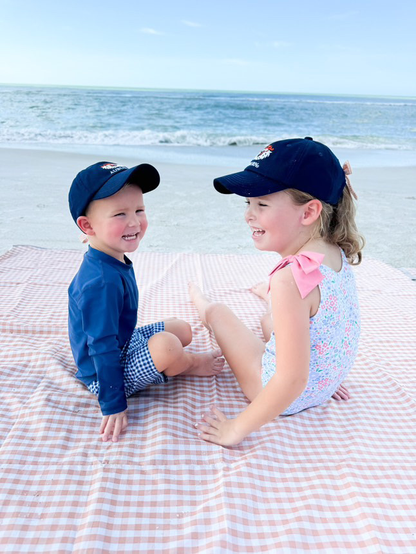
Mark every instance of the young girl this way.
pixel 299 204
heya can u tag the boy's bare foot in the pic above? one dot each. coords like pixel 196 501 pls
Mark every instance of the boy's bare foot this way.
pixel 261 289
pixel 201 302
pixel 206 364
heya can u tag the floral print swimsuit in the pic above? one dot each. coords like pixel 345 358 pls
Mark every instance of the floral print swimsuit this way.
pixel 334 334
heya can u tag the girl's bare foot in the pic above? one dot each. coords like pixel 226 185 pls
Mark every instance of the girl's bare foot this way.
pixel 201 302
pixel 341 393
pixel 206 364
pixel 261 290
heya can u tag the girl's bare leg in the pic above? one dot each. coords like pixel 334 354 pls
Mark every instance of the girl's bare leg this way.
pixel 261 290
pixel 169 356
pixel 341 393
pixel 240 346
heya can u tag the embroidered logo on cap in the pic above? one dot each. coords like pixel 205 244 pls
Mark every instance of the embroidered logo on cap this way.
pixel 265 153
pixel 114 168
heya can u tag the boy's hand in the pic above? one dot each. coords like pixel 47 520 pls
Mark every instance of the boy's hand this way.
pixel 112 426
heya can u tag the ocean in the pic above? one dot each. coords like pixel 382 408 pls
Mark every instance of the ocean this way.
pixel 217 128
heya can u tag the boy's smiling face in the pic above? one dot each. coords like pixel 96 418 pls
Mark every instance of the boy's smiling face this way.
pixel 116 224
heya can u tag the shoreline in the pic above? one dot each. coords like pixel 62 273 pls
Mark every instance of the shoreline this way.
pixel 235 156
pixel 185 213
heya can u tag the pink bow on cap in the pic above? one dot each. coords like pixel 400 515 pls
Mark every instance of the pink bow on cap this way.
pixel 305 270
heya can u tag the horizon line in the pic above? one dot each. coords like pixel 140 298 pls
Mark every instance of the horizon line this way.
pixel 230 91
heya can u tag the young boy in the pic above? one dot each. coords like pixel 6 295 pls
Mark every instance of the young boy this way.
pixel 114 359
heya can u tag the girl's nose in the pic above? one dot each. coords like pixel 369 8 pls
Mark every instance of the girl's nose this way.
pixel 249 214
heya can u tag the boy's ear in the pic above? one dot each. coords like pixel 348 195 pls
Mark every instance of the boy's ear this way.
pixel 84 224
pixel 312 211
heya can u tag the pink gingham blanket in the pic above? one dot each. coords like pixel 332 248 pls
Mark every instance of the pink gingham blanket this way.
pixel 337 478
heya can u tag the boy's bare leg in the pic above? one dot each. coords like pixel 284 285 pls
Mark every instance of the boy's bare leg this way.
pixel 170 357
pixel 240 346
pixel 180 328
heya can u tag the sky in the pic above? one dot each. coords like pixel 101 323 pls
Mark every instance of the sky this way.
pixel 364 47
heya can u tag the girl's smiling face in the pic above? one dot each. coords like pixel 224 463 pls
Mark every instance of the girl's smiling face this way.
pixel 117 223
pixel 276 223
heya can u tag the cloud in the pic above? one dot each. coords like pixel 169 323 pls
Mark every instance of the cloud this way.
pixel 148 31
pixel 191 23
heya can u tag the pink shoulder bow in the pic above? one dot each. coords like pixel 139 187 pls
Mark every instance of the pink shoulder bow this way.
pixel 305 270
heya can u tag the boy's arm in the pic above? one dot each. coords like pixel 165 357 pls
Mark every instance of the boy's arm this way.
pixel 291 327
pixel 100 307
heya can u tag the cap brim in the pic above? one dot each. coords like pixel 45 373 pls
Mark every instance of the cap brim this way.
pixel 144 175
pixel 248 184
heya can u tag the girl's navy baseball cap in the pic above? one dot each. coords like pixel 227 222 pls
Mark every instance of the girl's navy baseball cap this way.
pixel 104 179
pixel 301 164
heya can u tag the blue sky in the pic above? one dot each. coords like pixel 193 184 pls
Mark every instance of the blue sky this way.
pixel 304 46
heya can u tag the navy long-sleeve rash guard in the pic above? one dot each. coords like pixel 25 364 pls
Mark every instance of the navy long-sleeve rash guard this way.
pixel 103 303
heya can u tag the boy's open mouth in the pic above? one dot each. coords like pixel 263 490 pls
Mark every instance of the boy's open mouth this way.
pixel 130 237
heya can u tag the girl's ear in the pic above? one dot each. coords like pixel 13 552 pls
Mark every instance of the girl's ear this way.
pixel 84 224
pixel 312 211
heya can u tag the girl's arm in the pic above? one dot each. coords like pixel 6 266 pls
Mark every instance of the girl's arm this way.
pixel 291 326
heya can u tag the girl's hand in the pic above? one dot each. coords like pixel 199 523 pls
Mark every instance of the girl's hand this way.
pixel 112 426
pixel 218 429
pixel 341 393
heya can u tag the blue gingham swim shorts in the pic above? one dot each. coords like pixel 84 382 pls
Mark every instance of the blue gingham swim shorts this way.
pixel 139 369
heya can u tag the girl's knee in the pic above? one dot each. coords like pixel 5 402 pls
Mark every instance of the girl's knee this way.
pixel 214 310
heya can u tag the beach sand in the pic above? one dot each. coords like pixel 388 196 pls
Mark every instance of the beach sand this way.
pixel 185 213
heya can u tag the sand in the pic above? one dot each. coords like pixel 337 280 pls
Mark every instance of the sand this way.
pixel 185 213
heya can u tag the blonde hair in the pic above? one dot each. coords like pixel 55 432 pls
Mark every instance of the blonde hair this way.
pixel 336 223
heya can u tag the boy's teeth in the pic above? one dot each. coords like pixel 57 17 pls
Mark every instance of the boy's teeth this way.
pixel 129 237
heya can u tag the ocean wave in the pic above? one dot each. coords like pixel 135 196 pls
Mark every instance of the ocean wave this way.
pixel 182 138
pixel 130 138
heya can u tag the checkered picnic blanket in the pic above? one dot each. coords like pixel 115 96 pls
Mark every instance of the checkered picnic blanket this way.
pixel 336 478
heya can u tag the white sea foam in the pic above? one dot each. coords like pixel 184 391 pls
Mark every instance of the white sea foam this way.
pixel 148 137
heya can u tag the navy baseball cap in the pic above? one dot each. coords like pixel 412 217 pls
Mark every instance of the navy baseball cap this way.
pixel 104 179
pixel 301 164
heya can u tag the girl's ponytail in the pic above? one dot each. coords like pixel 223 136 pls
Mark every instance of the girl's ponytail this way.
pixel 342 229
pixel 337 223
